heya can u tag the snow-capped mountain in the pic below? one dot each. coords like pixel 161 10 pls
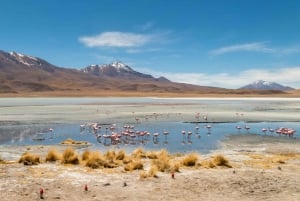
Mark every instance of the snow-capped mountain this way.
pixel 264 85
pixel 14 59
pixel 117 69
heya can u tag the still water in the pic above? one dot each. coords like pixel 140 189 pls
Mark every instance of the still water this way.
pixel 27 121
pixel 197 136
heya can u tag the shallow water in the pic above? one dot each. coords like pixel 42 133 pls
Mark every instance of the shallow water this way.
pixel 201 140
pixel 22 119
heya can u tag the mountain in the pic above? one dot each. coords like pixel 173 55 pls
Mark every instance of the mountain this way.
pixel 118 69
pixel 21 74
pixel 263 85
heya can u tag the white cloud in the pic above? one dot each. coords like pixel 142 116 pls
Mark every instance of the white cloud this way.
pixel 284 76
pixel 116 39
pixel 249 47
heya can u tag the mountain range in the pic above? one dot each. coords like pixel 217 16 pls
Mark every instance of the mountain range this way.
pixel 27 75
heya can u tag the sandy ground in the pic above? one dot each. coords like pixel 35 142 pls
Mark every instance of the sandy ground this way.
pixel 255 175
pixel 262 168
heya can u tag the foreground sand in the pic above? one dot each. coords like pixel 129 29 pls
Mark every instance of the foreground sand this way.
pixel 264 168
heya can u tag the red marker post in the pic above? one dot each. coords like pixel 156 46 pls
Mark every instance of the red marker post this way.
pixel 173 175
pixel 41 193
pixel 86 188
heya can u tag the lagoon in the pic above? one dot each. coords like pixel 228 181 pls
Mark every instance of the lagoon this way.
pixel 23 118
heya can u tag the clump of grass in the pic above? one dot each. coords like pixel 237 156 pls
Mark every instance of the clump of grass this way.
pixel 110 155
pixel 190 160
pixel 29 159
pixel 139 153
pixel 70 157
pixel 134 165
pixel 127 159
pixel 162 162
pixel 53 156
pixel 220 160
pixel 120 155
pixel 152 155
pixel 175 167
pixel 95 160
pixel 151 172
pixel 85 155
pixel 1 160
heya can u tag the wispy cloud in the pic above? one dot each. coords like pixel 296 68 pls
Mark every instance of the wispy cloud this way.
pixel 247 47
pixel 116 39
pixel 286 76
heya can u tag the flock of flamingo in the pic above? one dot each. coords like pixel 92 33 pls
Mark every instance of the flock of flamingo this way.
pixel 114 135
pixel 111 135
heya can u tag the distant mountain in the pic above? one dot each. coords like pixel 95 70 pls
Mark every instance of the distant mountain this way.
pixel 263 85
pixel 23 74
pixel 118 69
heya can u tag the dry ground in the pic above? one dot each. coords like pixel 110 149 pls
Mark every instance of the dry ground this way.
pixel 268 171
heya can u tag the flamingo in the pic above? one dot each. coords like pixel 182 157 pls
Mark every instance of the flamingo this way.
pixel 238 128
pixel 247 127
pixel 264 130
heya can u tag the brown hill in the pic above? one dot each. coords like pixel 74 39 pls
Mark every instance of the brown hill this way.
pixel 22 75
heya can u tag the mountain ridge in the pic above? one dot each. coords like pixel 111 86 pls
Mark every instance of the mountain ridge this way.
pixel 22 74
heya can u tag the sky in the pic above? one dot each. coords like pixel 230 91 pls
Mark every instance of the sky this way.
pixel 205 42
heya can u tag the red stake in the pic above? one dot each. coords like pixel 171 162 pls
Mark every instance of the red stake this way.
pixel 41 193
pixel 173 175
pixel 86 188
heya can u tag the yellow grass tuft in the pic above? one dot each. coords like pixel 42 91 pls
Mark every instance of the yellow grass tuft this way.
pixel 85 155
pixel 1 160
pixel 151 172
pixel 152 155
pixel 162 162
pixel 53 156
pixel 95 160
pixel 70 157
pixel 220 160
pixel 120 155
pixel 175 166
pixel 29 159
pixel 110 155
pixel 190 160
pixel 134 165
pixel 139 153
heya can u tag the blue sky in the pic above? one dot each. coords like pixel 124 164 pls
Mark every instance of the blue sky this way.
pixel 206 42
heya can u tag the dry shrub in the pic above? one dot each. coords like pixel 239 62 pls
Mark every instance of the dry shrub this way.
pixel 134 165
pixel 190 160
pixel 85 155
pixel 120 155
pixel 29 159
pixel 162 162
pixel 110 155
pixel 143 174
pixel 139 153
pixel 1 160
pixel 95 160
pixel 220 160
pixel 151 172
pixel 70 157
pixel 127 159
pixel 175 167
pixel 53 156
pixel 152 155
